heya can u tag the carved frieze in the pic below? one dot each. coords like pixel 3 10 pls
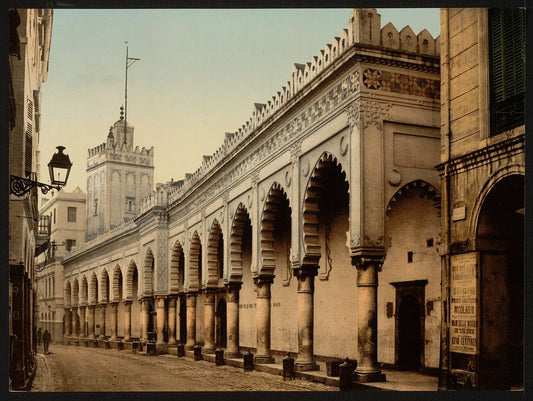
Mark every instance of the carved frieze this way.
pixel 396 82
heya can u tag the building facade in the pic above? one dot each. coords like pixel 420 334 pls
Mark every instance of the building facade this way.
pixel 482 172
pixel 29 47
pixel 65 212
pixel 314 228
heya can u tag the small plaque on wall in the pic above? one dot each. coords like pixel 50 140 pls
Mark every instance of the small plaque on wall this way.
pixel 459 213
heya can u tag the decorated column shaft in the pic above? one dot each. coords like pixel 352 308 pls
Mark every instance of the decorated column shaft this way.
pixel 191 320
pixel 91 321
pixel 82 332
pixel 102 321
pixel 367 331
pixel 145 317
pixel 114 321
pixel 172 320
pixel 74 318
pixel 209 322
pixel 161 319
pixel 306 289
pixel 232 297
pixel 263 319
pixel 68 327
pixel 127 320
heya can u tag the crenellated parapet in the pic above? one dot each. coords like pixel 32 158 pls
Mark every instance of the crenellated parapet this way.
pixel 160 196
pixel 112 151
pixel 364 33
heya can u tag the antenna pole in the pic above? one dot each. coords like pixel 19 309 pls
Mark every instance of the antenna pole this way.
pixel 129 62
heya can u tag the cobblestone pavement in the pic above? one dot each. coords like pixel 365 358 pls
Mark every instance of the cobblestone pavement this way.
pixel 69 368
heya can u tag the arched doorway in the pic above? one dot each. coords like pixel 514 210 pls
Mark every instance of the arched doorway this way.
pixel 500 240
pixel 221 324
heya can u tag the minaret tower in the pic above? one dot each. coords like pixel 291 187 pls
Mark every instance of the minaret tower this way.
pixel 118 177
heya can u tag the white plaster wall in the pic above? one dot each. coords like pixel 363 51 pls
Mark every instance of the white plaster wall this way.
pixel 284 314
pixel 200 317
pixel 412 220
pixel 335 326
pixel 247 315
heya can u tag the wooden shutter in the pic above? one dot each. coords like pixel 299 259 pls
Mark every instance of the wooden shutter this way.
pixel 507 68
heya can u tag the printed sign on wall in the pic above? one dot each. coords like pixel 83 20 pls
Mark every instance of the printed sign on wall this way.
pixel 464 303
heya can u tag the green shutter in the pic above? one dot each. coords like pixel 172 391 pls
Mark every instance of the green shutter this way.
pixel 507 68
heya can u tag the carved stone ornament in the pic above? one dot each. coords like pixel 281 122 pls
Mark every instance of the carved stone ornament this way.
pixel 343 145
pixel 394 178
pixel 374 112
pixel 306 167
pixel 288 178
pixel 372 78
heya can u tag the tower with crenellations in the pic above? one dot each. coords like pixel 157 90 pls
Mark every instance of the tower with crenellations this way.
pixel 119 176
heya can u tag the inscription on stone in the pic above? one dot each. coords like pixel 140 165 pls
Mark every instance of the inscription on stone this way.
pixel 464 303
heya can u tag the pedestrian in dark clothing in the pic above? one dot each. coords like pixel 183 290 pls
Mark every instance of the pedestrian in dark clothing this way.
pixel 46 341
pixel 39 336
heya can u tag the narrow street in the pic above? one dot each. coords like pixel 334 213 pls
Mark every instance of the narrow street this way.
pixel 69 368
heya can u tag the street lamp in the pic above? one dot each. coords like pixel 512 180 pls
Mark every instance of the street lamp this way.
pixel 59 168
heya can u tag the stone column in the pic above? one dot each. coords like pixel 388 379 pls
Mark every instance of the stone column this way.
pixel 306 290
pixel 367 331
pixel 90 321
pixel 209 322
pixel 161 319
pixel 68 327
pixel 263 319
pixel 74 319
pixel 191 321
pixel 232 297
pixel 82 321
pixel 145 316
pixel 172 320
pixel 127 320
pixel 102 321
pixel 114 321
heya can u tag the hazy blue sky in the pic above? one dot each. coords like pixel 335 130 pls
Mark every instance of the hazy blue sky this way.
pixel 200 73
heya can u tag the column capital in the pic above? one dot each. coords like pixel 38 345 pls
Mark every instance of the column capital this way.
pixel 127 301
pixel 234 285
pixel 264 279
pixel 305 271
pixel 362 258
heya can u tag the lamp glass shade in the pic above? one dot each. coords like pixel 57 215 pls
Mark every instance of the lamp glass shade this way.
pixel 59 167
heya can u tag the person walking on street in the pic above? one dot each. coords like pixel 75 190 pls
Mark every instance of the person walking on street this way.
pixel 39 336
pixel 46 341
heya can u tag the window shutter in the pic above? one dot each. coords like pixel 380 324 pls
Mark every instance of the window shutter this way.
pixel 507 68
pixel 29 149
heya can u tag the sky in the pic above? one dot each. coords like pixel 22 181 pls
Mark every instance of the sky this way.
pixel 199 74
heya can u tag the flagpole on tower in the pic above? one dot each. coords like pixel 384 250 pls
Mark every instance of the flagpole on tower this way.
pixel 129 62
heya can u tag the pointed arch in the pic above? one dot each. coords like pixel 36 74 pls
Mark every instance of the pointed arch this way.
pixel 117 278
pixel 131 273
pixel 93 290
pixel 195 262
pixel 148 273
pixel 214 258
pixel 67 294
pixel 84 291
pixel 428 191
pixel 326 168
pixel 104 286
pixel 75 292
pixel 177 264
pixel 241 220
pixel 275 203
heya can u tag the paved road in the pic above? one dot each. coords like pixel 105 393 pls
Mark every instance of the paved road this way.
pixel 70 368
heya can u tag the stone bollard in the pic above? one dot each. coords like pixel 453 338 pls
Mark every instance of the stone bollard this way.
pixel 181 350
pixel 248 361
pixel 288 367
pixel 197 353
pixel 219 357
pixel 346 375
pixel 151 349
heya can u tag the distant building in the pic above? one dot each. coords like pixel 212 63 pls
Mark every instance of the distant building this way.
pixel 118 177
pixel 483 168
pixel 29 48
pixel 66 213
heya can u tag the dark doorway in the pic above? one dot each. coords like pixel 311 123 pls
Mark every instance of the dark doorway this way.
pixel 410 317
pixel 409 334
pixel 500 238
pixel 183 319
pixel 221 324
